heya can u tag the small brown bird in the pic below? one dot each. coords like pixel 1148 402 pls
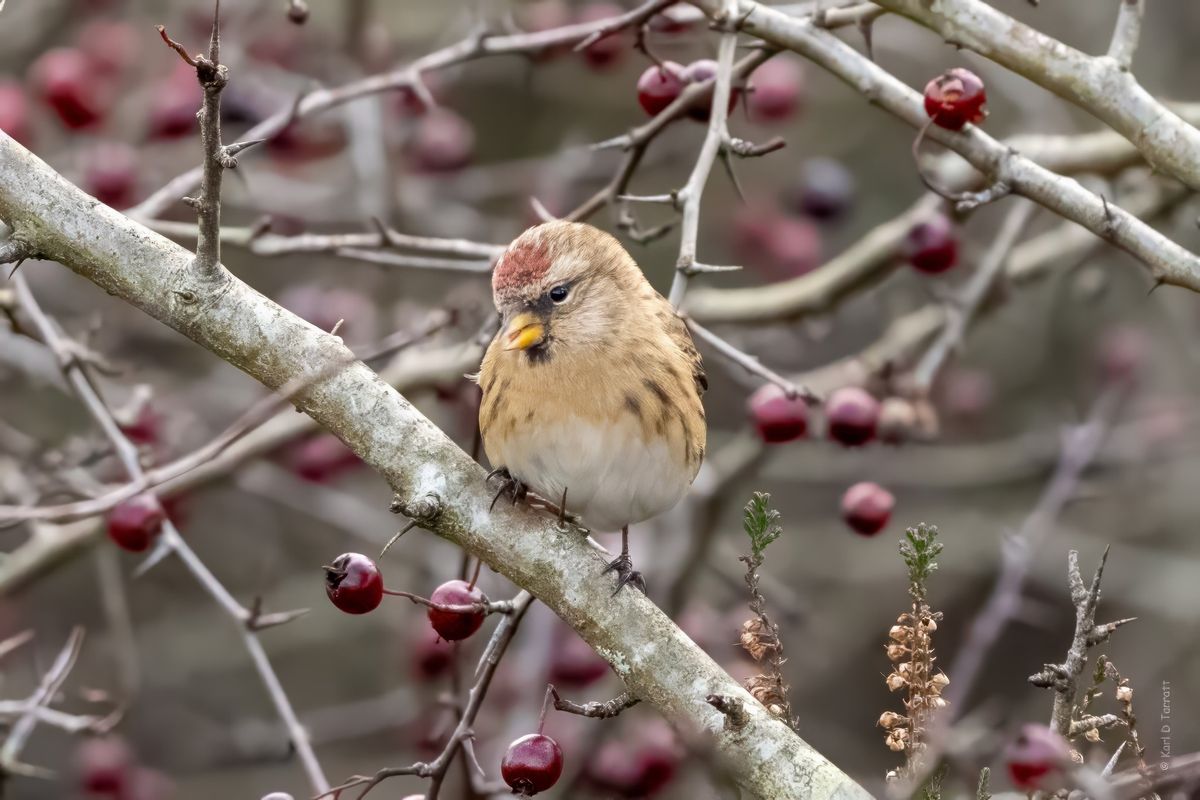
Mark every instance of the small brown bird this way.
pixel 591 389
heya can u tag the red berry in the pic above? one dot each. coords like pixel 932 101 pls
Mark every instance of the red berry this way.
pixel 432 655
pixel 793 247
pixel 308 140
pixel 776 90
pixel 607 52
pixel 573 662
pixel 14 112
pixel 105 765
pixel 134 523
pixel 111 174
pixel 825 190
pixel 955 98
pixel 1036 758
pixel 659 86
pixel 174 103
pixel 442 142
pixel 321 458
pixel 931 246
pixel 354 583
pixel 897 420
pixel 532 764
pixel 753 222
pixel 867 507
pixel 705 71
pixel 776 417
pixel 145 428
pixel 454 626
pixel 64 80
pixel 636 766
pixel 111 46
pixel 852 414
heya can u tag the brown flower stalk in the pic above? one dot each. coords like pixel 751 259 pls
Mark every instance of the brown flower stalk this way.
pixel 760 635
pixel 910 649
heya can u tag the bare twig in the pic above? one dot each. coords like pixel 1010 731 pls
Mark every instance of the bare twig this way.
pixel 751 363
pixel 1063 678
pixel 1080 445
pixel 1127 32
pixel 436 770
pixel 128 455
pixel 597 709
pixel 54 677
pixel 963 309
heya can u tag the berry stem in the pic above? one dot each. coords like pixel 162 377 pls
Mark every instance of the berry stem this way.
pixel 475 575
pixel 545 707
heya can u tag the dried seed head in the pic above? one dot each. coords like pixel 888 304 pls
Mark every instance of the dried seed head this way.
pixel 929 625
pixel 900 633
pixel 890 719
pixel 905 669
pixel 1124 694
pixel 892 775
pixel 896 739
pixel 905 619
pixel 895 652
pixel 938 702
pixel 766 691
pixel 939 682
pixel 895 682
pixel 775 710
pixel 756 639
pixel 1092 735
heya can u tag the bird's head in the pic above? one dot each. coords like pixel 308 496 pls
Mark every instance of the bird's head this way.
pixel 564 285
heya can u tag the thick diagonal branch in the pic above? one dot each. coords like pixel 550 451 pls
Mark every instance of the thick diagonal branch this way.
pixel 655 659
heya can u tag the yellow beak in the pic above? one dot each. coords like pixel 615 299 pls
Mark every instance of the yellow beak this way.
pixel 524 332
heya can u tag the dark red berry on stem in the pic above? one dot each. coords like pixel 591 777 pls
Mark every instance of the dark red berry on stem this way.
pixel 824 191
pixel 852 415
pixel 776 90
pixel 432 655
pixel 544 15
pixel 955 98
pixel 607 52
pixel 636 766
pixel 111 46
pixel 442 141
pixel 1037 758
pixel 14 112
pixel 105 765
pixel 64 80
pixel 176 98
pixel 777 417
pixel 705 71
pixel 897 420
pixel 867 507
pixel 134 523
pixel 456 625
pixel 660 86
pixel 931 246
pixel 145 428
pixel 532 764
pixel 354 584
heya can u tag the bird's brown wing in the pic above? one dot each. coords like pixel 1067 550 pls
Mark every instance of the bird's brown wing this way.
pixel 678 331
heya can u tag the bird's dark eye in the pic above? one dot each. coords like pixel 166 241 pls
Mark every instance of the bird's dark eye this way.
pixel 558 293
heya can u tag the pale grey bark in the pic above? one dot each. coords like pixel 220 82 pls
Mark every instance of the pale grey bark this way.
pixel 433 479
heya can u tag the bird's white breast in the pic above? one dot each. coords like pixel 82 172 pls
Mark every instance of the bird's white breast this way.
pixel 614 475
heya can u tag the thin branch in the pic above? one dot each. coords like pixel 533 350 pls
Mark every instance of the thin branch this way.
pixel 1167 261
pixel 1080 446
pixel 596 709
pixel 690 195
pixel 1127 32
pixel 964 308
pixel 1100 85
pixel 170 538
pixel 51 681
pixel 751 363
pixel 417 459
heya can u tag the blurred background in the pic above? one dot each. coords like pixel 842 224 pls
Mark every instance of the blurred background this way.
pixel 89 87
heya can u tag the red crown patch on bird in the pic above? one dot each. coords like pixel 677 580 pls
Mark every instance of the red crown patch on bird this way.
pixel 524 263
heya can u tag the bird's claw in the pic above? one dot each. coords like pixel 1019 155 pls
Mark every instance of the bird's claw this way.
pixel 626 574
pixel 508 485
